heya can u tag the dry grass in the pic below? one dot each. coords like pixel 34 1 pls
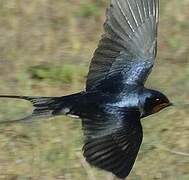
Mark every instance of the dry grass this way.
pixel 36 37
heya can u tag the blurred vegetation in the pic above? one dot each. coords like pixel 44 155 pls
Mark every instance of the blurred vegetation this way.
pixel 45 49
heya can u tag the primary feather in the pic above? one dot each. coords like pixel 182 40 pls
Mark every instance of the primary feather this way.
pixel 128 45
pixel 113 147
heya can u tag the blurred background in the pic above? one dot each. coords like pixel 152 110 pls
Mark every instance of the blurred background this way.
pixel 45 50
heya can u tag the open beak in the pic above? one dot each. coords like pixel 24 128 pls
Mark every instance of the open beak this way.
pixel 160 107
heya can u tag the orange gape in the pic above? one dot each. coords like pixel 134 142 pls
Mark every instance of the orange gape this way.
pixel 159 107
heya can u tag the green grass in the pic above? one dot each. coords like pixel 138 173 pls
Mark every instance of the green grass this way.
pixel 64 74
pixel 46 47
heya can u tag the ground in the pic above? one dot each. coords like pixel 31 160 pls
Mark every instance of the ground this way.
pixel 45 49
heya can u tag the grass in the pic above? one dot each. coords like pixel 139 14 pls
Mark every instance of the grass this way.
pixel 46 47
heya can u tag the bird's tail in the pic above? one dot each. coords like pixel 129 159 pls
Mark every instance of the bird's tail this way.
pixel 45 107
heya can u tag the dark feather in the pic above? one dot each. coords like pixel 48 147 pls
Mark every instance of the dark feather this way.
pixel 128 45
pixel 45 107
pixel 113 148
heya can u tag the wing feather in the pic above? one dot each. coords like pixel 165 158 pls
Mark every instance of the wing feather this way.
pixel 130 29
pixel 116 152
pixel 115 145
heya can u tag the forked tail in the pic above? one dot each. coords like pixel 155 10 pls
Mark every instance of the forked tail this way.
pixel 45 107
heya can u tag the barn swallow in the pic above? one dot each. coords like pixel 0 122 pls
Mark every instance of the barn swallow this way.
pixel 115 98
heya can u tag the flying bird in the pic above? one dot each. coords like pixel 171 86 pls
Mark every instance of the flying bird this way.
pixel 115 98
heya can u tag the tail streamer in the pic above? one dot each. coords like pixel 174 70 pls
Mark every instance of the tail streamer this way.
pixel 43 106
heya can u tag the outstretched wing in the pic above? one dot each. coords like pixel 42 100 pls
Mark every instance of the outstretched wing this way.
pixel 113 144
pixel 129 43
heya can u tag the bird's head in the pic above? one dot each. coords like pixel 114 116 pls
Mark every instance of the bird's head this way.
pixel 153 101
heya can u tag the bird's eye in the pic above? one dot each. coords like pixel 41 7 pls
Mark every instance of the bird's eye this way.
pixel 157 99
